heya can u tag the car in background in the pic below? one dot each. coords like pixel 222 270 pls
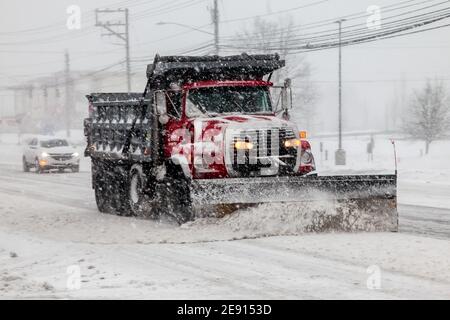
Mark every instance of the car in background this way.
pixel 50 153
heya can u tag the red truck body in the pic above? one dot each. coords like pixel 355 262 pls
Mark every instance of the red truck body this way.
pixel 207 133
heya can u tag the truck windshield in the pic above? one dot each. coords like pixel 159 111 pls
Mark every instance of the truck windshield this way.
pixel 54 143
pixel 216 100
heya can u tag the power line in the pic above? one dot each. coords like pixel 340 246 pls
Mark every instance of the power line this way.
pixel 63 36
pixel 277 12
pixel 327 22
pixel 350 38
pixel 362 31
pixel 171 8
pixel 387 34
pixel 346 30
pixel 74 80
pixel 50 27
pixel 121 34
pixel 54 61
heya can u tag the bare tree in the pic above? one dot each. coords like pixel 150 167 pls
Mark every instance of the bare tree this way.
pixel 429 114
pixel 264 34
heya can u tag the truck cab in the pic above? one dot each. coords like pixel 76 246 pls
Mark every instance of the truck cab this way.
pixel 230 128
pixel 204 129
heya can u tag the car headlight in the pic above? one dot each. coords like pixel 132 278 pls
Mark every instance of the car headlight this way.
pixel 44 155
pixel 75 154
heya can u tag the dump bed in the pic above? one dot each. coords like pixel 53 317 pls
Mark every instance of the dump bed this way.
pixel 119 126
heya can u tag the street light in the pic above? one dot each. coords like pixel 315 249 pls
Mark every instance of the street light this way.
pixel 162 23
pixel 340 153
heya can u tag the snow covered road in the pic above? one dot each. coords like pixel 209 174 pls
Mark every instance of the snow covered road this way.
pixel 50 230
pixel 276 268
pixel 429 221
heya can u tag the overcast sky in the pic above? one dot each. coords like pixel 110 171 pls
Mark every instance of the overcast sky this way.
pixel 33 37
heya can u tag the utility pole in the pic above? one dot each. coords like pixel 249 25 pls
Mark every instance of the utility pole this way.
pixel 120 29
pixel 68 93
pixel 340 153
pixel 127 48
pixel 215 18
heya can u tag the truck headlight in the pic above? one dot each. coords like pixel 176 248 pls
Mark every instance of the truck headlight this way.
pixel 292 143
pixel 75 155
pixel 243 145
pixel 44 155
pixel 306 157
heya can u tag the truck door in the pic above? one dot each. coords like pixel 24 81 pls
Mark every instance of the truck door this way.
pixel 174 112
pixel 173 125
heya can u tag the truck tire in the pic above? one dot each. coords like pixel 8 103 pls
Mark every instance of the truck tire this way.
pixel 111 188
pixel 26 167
pixel 102 187
pixel 101 200
pixel 139 194
pixel 121 200
pixel 177 202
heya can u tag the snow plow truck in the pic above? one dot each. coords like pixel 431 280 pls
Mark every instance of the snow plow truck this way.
pixel 207 133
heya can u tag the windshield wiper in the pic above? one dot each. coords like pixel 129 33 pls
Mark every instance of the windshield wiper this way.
pixel 239 106
pixel 205 111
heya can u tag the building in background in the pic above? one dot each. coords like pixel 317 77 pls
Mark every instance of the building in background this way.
pixel 46 104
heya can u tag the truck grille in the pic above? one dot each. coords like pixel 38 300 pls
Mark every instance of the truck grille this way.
pixel 268 144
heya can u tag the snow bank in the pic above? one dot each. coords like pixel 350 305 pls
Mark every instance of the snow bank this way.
pixel 412 162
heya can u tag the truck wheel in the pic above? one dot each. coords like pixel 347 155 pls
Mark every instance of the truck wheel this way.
pixel 26 168
pixel 102 187
pixel 120 197
pixel 101 200
pixel 139 201
pixel 179 205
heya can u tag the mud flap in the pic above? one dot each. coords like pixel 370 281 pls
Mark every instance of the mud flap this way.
pixel 353 203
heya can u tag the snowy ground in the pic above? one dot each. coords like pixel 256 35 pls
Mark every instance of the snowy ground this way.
pixel 50 230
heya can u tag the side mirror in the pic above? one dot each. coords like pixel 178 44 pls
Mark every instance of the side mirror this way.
pixel 286 94
pixel 160 103
pixel 87 126
pixel 286 98
pixel 161 107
